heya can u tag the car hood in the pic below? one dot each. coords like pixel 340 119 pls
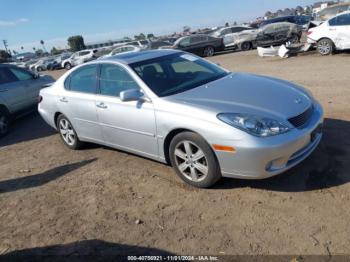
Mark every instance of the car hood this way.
pixel 251 94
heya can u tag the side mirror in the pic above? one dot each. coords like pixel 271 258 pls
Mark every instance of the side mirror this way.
pixel 131 95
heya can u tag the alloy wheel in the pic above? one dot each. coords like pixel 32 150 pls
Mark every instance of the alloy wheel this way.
pixel 67 132
pixel 191 161
pixel 324 47
pixel 209 51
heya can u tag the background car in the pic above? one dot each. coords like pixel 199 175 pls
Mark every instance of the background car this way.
pixel 301 20
pixel 244 40
pixel 79 58
pixel 57 62
pixel 202 45
pixel 41 64
pixel 122 49
pixel 221 32
pixel 278 34
pixel 19 91
pixel 332 35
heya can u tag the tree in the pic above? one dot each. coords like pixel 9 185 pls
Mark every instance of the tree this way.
pixel 76 43
pixel 150 36
pixel 268 14
pixel 140 37
pixel 39 52
pixel 234 23
pixel 43 44
pixel 55 51
pixel 4 56
pixel 299 9
pixel 227 24
pixel 186 29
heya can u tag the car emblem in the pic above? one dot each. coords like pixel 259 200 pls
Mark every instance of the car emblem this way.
pixel 298 101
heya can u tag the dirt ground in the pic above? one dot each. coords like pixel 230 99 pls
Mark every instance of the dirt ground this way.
pixel 102 200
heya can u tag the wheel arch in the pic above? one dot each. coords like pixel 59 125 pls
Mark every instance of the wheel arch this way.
pixel 169 137
pixel 6 110
pixel 57 114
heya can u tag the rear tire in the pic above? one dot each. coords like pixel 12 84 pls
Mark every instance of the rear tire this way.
pixel 4 122
pixel 325 46
pixel 193 160
pixel 39 69
pixel 246 46
pixel 208 51
pixel 294 39
pixel 67 133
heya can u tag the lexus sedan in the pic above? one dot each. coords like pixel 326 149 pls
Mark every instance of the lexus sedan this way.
pixel 177 108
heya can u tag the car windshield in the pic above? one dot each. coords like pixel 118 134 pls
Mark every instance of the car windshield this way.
pixel 176 73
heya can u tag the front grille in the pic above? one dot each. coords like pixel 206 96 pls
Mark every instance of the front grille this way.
pixel 300 120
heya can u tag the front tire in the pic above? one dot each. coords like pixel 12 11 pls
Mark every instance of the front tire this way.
pixel 67 66
pixel 67 133
pixel 193 160
pixel 208 51
pixel 4 122
pixel 325 46
pixel 246 46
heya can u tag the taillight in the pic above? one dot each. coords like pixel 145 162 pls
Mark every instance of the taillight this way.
pixel 40 98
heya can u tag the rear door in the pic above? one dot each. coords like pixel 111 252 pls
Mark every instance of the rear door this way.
pixel 198 43
pixel 11 91
pixel 77 102
pixel 339 28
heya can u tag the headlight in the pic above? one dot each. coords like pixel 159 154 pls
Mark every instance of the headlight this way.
pixel 254 125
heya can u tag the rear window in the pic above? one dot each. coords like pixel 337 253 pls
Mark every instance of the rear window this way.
pixel 83 80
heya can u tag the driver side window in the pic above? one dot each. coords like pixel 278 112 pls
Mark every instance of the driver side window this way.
pixel 115 79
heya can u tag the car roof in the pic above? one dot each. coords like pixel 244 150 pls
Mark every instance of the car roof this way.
pixel 134 57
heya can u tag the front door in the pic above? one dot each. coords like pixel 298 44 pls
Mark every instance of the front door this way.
pixel 77 103
pixel 126 125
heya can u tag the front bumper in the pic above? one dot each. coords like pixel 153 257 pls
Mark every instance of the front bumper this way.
pixel 261 158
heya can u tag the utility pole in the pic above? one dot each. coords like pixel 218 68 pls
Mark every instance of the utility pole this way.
pixel 5 44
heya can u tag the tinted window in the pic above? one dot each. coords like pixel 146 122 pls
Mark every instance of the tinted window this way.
pixel 115 79
pixel 84 79
pixel 185 42
pixel 343 20
pixel 6 76
pixel 84 53
pixel 21 74
pixel 176 73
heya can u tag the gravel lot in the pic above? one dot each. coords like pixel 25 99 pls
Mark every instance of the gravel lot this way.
pixel 103 200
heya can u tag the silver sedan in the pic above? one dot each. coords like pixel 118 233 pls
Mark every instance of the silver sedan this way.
pixel 177 108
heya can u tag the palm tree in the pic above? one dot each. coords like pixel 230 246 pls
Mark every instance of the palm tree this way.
pixel 42 43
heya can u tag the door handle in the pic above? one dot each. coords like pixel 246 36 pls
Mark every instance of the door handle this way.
pixel 101 105
pixel 332 29
pixel 64 100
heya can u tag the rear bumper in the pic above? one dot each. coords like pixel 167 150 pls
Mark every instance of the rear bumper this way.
pixel 266 157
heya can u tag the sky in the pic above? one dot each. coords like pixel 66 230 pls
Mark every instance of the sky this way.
pixel 25 23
